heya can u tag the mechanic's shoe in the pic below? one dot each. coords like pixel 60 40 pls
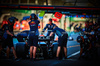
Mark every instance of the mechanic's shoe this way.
pixel 17 59
pixel 65 58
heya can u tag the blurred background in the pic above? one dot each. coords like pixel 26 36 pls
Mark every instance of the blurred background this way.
pixel 68 17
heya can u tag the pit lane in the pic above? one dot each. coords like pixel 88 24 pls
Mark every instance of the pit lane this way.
pixel 73 47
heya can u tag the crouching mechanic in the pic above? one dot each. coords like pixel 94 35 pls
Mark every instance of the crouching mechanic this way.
pixel 62 40
pixel 33 36
pixel 8 36
pixel 50 28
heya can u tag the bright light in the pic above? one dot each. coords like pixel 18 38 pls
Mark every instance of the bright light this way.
pixel 32 11
pixel 78 18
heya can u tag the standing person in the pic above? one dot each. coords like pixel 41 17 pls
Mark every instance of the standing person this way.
pixel 4 21
pixel 27 25
pixel 49 26
pixel 62 40
pixel 33 36
pixel 8 36
pixel 1 33
pixel 17 25
pixel 87 29
pixel 71 25
pixel 80 27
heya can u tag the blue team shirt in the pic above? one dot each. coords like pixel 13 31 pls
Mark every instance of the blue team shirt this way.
pixel 5 28
pixel 59 31
pixel 49 27
pixel 34 26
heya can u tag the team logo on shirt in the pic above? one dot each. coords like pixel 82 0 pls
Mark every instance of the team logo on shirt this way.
pixel 51 26
pixel 32 23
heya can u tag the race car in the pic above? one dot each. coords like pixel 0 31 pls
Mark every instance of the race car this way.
pixel 46 48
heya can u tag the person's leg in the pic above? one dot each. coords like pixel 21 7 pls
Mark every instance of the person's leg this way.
pixel 30 42
pixel 35 44
pixel 31 51
pixel 59 46
pixel 65 52
pixel 8 50
pixel 81 51
pixel 34 52
pixel 65 45
pixel 58 51
pixel 11 46
pixel 14 52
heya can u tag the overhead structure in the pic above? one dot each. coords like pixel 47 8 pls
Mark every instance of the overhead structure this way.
pixel 76 9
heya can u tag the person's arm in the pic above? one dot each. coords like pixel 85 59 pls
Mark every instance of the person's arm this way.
pixel 51 33
pixel 6 27
pixel 9 33
pixel 38 24
pixel 45 27
pixel 75 26
pixel 38 21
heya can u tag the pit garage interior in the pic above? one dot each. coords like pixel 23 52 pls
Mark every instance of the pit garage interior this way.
pixel 71 14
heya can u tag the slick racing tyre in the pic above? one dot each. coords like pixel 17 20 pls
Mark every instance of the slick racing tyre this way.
pixel 22 49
